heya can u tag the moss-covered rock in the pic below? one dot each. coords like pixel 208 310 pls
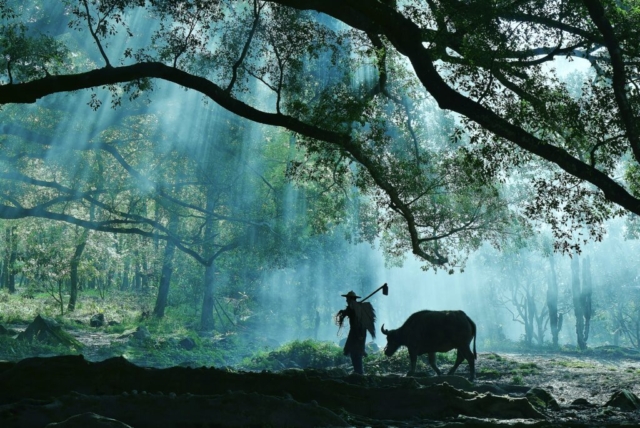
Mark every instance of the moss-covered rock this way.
pixel 542 399
pixel 624 400
pixel 46 330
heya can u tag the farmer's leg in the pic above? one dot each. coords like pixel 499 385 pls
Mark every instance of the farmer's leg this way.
pixel 356 360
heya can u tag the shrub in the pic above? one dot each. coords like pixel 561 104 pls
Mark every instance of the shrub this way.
pixel 302 354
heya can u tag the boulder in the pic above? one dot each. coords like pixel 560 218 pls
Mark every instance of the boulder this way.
pixel 46 330
pixel 624 400
pixel 187 343
pixel 97 320
pixel 581 402
pixel 542 399
pixel 141 333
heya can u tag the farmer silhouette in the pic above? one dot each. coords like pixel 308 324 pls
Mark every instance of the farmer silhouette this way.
pixel 361 319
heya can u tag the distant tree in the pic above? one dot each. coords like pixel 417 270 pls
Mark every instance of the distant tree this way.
pixel 587 293
pixel 517 271
pixel 581 291
pixel 523 298
pixel 10 254
pixel 73 272
pixel 616 286
pixel 555 317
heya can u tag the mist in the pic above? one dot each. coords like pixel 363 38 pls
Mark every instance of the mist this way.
pixel 484 289
pixel 271 223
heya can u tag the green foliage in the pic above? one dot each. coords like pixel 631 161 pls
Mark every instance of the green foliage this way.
pixel 398 363
pixel 26 57
pixel 576 364
pixel 19 308
pixel 168 353
pixel 517 380
pixel 15 350
pixel 494 356
pixel 299 354
pixel 115 329
pixel 526 369
pixel 446 357
pixel 489 373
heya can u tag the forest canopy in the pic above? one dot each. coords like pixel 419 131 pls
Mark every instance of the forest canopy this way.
pixel 448 121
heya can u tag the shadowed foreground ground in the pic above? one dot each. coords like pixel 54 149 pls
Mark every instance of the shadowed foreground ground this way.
pixel 38 391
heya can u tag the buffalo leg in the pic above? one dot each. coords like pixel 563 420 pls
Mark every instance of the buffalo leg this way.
pixel 432 363
pixel 460 356
pixel 471 359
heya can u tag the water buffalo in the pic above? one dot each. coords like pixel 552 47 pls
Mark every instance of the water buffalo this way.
pixel 428 332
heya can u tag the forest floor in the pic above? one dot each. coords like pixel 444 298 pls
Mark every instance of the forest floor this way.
pixel 573 389
pixel 569 376
pixel 593 377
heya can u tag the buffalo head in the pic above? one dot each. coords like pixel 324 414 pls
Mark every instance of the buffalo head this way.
pixel 393 341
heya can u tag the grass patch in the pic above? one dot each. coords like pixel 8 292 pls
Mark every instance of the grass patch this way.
pixel 485 373
pixel 379 363
pixel 575 364
pixel 399 363
pixel 526 369
pixel 446 357
pixel 297 354
pixel 494 356
pixel 517 380
pixel 13 350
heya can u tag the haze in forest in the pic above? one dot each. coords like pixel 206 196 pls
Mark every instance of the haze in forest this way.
pixel 234 223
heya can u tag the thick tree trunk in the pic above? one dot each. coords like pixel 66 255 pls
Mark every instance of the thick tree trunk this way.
pixel 577 301
pixel 74 280
pixel 137 274
pixel 586 297
pixel 165 280
pixel 11 254
pixel 144 275
pixel 4 273
pixel 539 323
pixel 552 301
pixel 125 275
pixel 528 321
pixel 167 272
pixel 59 295
pixel 206 319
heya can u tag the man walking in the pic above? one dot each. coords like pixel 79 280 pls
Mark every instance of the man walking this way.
pixel 361 319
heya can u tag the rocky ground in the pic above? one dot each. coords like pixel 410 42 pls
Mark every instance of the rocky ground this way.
pixel 594 388
pixel 593 377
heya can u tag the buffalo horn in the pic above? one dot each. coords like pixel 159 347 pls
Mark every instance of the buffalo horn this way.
pixel 383 330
